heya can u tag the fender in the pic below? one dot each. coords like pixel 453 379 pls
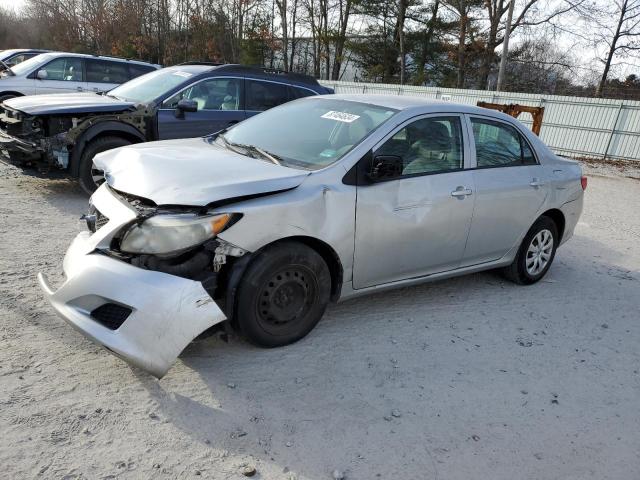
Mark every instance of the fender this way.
pixel 93 132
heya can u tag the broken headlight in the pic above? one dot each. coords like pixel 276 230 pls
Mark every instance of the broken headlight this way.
pixel 168 233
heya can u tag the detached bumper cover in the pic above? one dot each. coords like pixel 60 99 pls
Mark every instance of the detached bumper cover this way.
pixel 10 142
pixel 167 312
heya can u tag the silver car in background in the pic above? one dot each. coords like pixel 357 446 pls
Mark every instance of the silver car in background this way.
pixel 318 200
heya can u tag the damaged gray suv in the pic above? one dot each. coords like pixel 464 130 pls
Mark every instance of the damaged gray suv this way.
pixel 317 200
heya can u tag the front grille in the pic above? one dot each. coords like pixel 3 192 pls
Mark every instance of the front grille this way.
pixel 101 220
pixel 111 315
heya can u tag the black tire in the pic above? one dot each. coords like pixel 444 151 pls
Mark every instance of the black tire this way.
pixel 88 175
pixel 282 295
pixel 518 272
pixel 6 97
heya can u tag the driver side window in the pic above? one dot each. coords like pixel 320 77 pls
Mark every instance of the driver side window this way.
pixel 212 94
pixel 64 69
pixel 428 145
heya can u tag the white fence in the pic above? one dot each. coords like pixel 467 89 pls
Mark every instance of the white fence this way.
pixel 572 126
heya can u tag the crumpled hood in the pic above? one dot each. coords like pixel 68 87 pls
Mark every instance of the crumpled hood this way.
pixel 67 103
pixel 192 172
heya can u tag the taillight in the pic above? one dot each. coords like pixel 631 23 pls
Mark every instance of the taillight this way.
pixel 583 182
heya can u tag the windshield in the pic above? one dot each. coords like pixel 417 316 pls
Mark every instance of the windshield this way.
pixel 28 66
pixel 149 87
pixel 307 133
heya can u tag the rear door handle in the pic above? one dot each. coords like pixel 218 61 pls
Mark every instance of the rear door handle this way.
pixel 79 89
pixel 461 192
pixel 536 183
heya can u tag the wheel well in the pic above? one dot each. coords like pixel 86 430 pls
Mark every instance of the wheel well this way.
pixel 558 218
pixel 330 257
pixel 117 133
pixel 17 94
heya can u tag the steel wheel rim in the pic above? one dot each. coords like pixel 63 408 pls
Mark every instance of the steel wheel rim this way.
pixel 97 175
pixel 286 298
pixel 539 252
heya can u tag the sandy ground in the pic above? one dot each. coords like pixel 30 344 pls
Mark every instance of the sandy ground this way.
pixel 470 378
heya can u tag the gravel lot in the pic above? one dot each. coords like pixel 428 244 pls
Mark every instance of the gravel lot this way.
pixel 470 378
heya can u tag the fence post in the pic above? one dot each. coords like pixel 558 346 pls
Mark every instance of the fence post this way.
pixel 613 130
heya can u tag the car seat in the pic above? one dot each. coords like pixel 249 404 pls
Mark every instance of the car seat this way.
pixel 430 149
pixel 200 95
pixel 230 101
pixel 354 133
pixel 72 75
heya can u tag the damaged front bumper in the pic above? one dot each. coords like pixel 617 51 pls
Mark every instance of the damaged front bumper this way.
pixel 162 313
pixel 11 143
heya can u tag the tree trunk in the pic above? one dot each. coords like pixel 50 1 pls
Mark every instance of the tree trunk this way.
pixel 462 36
pixel 426 44
pixel 282 10
pixel 612 51
pixel 401 17
pixel 340 41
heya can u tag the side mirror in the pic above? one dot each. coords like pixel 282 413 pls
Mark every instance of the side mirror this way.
pixel 385 167
pixel 186 105
pixel 42 74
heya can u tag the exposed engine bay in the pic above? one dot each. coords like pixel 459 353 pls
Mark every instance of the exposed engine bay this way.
pixel 48 141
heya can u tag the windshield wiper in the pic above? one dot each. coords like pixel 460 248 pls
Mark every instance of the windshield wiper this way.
pixel 251 149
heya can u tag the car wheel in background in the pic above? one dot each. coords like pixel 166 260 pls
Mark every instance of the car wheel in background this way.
pixel 536 253
pixel 283 294
pixel 90 177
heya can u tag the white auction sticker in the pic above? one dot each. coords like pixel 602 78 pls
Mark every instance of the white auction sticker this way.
pixel 341 116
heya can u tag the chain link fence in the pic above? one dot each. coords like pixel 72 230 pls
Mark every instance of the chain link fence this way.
pixel 572 126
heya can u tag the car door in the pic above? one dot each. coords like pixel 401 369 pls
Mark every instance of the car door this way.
pixel 63 75
pixel 510 190
pixel 103 75
pixel 220 105
pixel 417 223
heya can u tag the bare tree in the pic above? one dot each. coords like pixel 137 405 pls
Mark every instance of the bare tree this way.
pixel 529 13
pixel 621 38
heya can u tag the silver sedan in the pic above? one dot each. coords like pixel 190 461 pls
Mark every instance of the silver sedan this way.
pixel 318 200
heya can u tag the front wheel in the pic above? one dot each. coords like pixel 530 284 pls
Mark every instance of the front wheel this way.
pixel 90 176
pixel 283 294
pixel 536 253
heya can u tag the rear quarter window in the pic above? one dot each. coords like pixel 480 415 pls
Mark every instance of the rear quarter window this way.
pixel 297 92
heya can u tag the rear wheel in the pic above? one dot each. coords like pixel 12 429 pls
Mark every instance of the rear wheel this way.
pixel 536 253
pixel 283 294
pixel 90 176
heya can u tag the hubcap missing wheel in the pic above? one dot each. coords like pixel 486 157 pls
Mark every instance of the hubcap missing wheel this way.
pixel 286 297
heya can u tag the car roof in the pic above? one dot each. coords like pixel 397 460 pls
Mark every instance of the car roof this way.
pixel 12 51
pixel 97 57
pixel 406 102
pixel 260 73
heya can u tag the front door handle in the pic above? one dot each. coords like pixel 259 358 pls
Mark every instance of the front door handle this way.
pixel 79 89
pixel 536 183
pixel 461 192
